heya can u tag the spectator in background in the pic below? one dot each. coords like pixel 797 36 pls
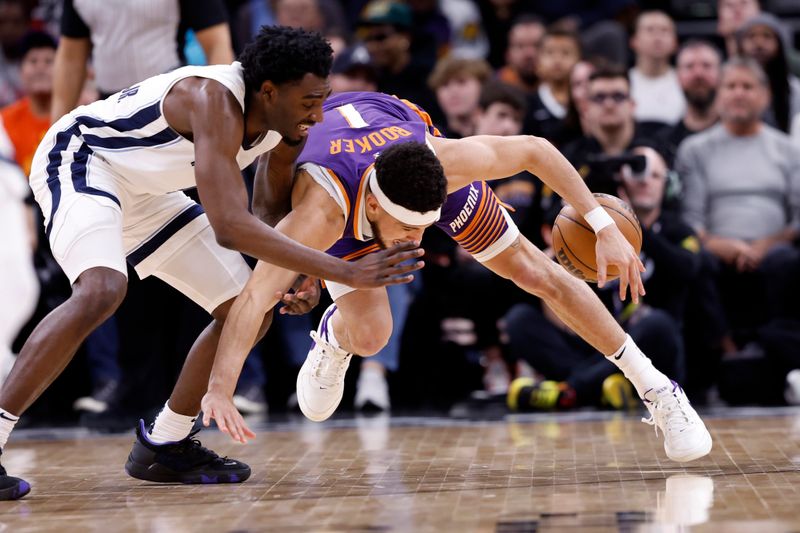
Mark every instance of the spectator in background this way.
pixel 654 84
pixel 612 128
pixel 522 55
pixel 352 70
pixel 731 16
pixel 746 218
pixel 765 39
pixel 577 122
pixel 14 22
pixel 26 121
pixel 560 52
pixel 499 16
pixel 575 374
pixel 324 17
pixel 132 43
pixel 457 83
pixel 430 32
pixel 467 36
pixel 598 22
pixel 698 69
pixel 385 27
pixel 501 111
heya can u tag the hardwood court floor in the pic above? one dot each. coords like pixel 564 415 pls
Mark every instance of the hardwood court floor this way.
pixel 542 473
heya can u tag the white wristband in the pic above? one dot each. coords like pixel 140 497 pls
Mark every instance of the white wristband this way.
pixel 598 219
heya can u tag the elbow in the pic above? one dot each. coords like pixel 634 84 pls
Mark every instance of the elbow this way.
pixel 225 234
pixel 226 239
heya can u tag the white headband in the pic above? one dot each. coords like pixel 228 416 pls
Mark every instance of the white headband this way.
pixel 406 216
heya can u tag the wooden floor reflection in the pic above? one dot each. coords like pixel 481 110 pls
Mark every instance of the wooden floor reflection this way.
pixel 518 474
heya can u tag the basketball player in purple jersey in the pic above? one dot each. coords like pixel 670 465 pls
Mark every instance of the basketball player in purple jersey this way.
pixel 375 172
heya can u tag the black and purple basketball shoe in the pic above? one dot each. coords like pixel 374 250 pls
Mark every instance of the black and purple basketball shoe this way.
pixel 184 461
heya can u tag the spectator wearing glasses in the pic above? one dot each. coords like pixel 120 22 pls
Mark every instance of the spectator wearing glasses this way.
pixel 612 128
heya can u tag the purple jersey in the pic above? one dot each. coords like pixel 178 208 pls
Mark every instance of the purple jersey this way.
pixel 341 151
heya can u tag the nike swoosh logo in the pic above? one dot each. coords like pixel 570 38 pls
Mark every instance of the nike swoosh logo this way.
pixel 618 357
pixel 4 417
pixel 323 388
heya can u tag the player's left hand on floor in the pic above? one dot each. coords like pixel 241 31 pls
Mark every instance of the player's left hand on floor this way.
pixel 220 408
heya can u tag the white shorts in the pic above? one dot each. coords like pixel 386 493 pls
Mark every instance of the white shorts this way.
pixel 93 220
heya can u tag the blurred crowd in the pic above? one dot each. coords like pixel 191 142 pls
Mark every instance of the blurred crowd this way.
pixel 689 111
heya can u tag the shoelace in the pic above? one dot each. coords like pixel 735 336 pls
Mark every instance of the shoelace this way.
pixel 669 414
pixel 328 367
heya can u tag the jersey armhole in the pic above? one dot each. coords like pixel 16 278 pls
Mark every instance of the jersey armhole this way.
pixel 331 183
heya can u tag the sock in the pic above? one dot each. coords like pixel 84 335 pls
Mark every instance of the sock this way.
pixel 638 368
pixel 170 426
pixel 7 423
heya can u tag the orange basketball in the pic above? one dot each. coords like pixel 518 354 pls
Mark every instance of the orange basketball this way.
pixel 574 240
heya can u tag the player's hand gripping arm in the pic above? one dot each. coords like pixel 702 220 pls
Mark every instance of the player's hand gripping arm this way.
pixel 487 157
pixel 217 141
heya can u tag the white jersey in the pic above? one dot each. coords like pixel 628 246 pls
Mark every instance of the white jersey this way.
pixel 128 131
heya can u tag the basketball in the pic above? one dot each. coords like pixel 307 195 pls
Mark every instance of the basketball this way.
pixel 574 240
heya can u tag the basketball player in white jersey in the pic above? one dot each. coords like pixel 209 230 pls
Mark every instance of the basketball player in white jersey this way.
pixel 108 177
pixel 376 172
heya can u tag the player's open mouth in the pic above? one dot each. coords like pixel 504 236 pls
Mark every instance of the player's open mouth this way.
pixel 303 128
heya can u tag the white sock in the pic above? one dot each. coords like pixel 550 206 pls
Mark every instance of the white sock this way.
pixel 638 368
pixel 170 426
pixel 7 423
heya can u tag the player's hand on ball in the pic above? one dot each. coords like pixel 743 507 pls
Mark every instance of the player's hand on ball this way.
pixel 303 298
pixel 613 249
pixel 220 407
pixel 387 267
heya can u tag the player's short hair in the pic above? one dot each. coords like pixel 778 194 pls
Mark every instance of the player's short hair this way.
pixel 282 54
pixel 410 175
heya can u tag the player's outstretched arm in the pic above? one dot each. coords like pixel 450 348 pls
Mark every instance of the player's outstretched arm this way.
pixel 211 115
pixel 317 222
pixel 488 157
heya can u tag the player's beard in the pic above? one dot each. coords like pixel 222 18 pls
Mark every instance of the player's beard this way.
pixel 376 235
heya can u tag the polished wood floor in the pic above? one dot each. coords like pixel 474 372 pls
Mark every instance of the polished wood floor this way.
pixel 545 473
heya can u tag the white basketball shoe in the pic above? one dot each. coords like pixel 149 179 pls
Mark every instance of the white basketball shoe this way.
pixel 320 383
pixel 685 436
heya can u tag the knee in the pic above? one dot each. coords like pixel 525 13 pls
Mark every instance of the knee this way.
pixel 369 338
pixel 100 292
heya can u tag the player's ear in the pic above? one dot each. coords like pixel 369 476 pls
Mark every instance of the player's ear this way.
pixel 372 203
pixel 269 90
